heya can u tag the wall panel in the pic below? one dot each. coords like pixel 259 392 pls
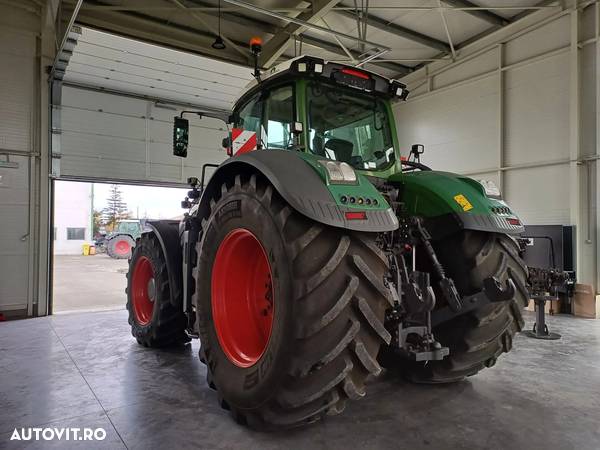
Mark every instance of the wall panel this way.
pixel 115 137
pixel 17 51
pixel 537 111
pixel 458 126
pixel 522 135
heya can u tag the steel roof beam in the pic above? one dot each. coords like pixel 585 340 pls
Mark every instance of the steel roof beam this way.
pixel 160 32
pixel 235 17
pixel 230 9
pixel 279 43
pixel 400 69
pixel 137 26
pixel 486 15
pixel 398 30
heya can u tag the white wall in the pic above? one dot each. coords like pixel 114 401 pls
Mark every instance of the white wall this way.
pixel 72 209
pixel 519 108
pixel 23 41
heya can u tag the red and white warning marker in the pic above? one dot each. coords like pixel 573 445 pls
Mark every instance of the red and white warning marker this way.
pixel 242 141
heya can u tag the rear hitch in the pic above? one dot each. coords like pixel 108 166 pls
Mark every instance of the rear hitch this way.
pixel 417 343
pixel 410 319
pixel 492 292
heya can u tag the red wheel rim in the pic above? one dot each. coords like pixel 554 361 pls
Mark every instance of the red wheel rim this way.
pixel 122 247
pixel 242 297
pixel 143 291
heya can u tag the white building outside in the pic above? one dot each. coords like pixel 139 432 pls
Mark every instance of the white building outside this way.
pixel 72 217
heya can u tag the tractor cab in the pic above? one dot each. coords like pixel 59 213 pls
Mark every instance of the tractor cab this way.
pixel 328 110
pixel 128 226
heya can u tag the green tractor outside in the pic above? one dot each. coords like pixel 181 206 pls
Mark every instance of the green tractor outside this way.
pixel 119 242
pixel 317 255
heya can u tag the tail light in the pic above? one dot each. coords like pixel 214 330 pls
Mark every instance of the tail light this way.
pixel 356 73
pixel 356 215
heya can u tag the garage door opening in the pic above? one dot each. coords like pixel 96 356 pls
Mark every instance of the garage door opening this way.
pixel 95 226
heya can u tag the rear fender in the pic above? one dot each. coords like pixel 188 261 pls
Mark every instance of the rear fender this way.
pixel 296 177
pixel 167 233
pixel 117 235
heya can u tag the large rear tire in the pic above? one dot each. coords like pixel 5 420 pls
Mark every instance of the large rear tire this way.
pixel 308 330
pixel 156 320
pixel 119 247
pixel 478 338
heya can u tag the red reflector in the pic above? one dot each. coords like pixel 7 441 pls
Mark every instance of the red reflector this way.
pixel 358 215
pixel 513 221
pixel 356 73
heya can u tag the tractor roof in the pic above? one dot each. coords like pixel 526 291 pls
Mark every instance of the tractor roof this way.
pixel 316 68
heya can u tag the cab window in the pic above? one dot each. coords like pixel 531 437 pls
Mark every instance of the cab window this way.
pixel 279 115
pixel 250 115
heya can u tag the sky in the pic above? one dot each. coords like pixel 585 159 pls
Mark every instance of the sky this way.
pixel 144 201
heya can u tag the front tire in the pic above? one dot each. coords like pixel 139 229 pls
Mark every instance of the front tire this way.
pixel 318 321
pixel 155 319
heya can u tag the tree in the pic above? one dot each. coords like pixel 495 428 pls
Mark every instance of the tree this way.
pixel 116 208
pixel 97 222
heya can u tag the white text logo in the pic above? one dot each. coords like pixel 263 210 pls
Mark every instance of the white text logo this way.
pixel 61 434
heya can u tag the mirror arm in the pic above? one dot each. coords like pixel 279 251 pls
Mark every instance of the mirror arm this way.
pixel 202 114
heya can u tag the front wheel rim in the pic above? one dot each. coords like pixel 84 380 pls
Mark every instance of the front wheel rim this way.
pixel 242 297
pixel 143 287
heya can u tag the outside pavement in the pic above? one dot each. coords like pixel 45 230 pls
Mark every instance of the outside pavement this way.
pixel 89 282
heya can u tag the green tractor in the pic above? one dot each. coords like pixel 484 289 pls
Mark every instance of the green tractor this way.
pixel 119 242
pixel 316 255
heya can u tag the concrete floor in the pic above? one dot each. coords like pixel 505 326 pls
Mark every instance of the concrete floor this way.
pixel 85 283
pixel 85 370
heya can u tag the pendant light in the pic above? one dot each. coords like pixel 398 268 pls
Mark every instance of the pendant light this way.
pixel 219 44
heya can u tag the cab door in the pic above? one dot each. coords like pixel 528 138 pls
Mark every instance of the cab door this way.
pixel 248 133
pixel 279 118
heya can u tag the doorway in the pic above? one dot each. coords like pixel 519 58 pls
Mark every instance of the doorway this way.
pixel 94 229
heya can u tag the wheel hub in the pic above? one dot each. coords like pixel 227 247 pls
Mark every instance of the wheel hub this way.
pixel 151 289
pixel 242 297
pixel 122 247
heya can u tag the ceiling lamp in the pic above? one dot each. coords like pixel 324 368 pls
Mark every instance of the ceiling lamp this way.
pixel 219 44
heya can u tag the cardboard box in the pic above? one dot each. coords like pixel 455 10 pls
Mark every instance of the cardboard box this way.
pixel 553 305
pixel 585 302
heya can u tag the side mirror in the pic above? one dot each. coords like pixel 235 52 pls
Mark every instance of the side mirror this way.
pixel 181 128
pixel 417 149
pixel 297 128
pixel 226 144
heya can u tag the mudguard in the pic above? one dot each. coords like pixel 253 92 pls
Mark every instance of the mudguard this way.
pixel 297 178
pixel 449 202
pixel 116 235
pixel 167 233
